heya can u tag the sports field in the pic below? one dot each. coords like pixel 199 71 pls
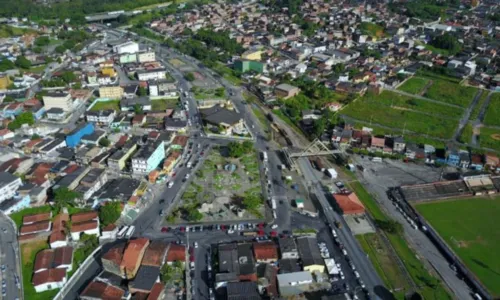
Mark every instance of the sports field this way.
pixel 470 227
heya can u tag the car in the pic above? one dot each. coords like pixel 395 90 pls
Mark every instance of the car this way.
pixel 202 153
pixel 196 244
pixel 3 268
pixel 173 174
pixel 187 176
pixel 344 252
pixel 218 227
pixel 162 212
pixel 4 292
pixel 4 283
pixel 356 274
pixel 274 226
pixel 230 231
pixel 164 229
pixel 170 184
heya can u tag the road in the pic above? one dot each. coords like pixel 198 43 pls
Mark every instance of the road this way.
pixel 9 257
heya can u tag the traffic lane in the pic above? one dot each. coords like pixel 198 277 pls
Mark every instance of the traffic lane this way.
pixel 201 273
pixel 9 258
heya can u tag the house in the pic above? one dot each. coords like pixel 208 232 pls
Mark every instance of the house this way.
pixel 492 162
pixel 11 110
pixel 162 87
pixel 151 74
pixel 349 203
pixel 130 104
pixel 286 91
pixel 112 259
pixel 56 114
pixel 246 262
pixel 296 283
pixel 222 118
pixel 242 290
pixel 58 236
pixel 132 257
pixel 378 144
pixel 476 162
pixel 109 232
pixel 75 136
pixel 9 184
pixel 399 144
pixel 38 227
pixel 147 56
pixel 453 157
pixel 176 253
pixel 464 159
pixel 62 100
pixel 265 252
pixel 174 124
pixel 49 279
pixel 127 47
pixel 145 279
pixel 117 160
pixel 333 106
pixel 157 292
pixel 92 182
pixel 6 134
pixel 59 258
pixel 148 157
pixel 99 290
pixel 84 222
pixel 288 248
pixel 310 254
pixel 309 114
pixel 111 92
pixel 102 117
pixel 155 254
pixel 93 138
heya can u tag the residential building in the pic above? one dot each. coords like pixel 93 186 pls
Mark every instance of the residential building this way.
pixel 310 254
pixel 157 292
pixel 117 160
pixel 127 47
pixel 174 124
pixel 132 257
pixel 62 100
pixel 9 184
pixel 286 91
pixel 102 117
pixel 148 56
pixel 75 136
pixel 242 290
pixel 148 157
pixel 349 203
pixel 56 114
pixel 49 280
pixel 112 259
pixel 296 283
pixel 42 226
pixel 92 182
pixel 99 290
pixel 155 254
pixel 220 117
pixel 93 138
pixel 162 87
pixel 111 92
pixel 175 253
pixel 145 279
pixel 288 248
pixel 85 222
pixel 59 258
pixel 151 74
pixel 265 252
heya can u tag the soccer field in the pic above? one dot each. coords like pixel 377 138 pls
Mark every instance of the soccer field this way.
pixel 470 228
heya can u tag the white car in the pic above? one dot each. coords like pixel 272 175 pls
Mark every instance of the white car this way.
pixel 187 176
pixel 344 252
pixel 196 244
pixel 356 274
pixel 274 226
pixel 230 231
pixel 170 184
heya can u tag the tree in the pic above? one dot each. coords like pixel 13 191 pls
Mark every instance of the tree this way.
pixel 8 99
pixel 60 49
pixel 252 202
pixel 447 42
pixel 189 76
pixel 389 226
pixel 166 273
pixel 194 215
pixel 110 213
pixel 6 64
pixel 137 109
pixel 23 118
pixel 219 92
pixel 22 62
pixel 64 197
pixel 237 149
pixel 319 127
pixel 42 41
pixel 104 142
pixel 68 76
pixel 143 91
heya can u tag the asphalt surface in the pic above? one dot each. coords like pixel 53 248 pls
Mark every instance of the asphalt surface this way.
pixel 9 250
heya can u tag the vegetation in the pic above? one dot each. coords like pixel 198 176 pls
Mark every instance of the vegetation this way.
pixel 23 118
pixel 163 104
pixel 414 85
pixel 63 197
pixel 238 149
pixel 490 138
pixel 466 135
pixel 17 217
pixel 110 213
pixel 103 105
pixel 447 42
pixel 22 62
pixel 427 10
pixel 477 109
pixel 189 76
pixel 6 64
pixel 468 226
pixel 450 92
pixel 104 142
pixel 28 254
pixel 371 29
pixel 9 31
pixel 87 245
pixel 492 116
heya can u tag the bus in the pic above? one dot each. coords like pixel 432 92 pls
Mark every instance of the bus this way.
pixel 122 232
pixel 130 232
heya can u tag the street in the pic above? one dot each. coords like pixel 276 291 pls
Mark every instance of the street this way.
pixel 9 259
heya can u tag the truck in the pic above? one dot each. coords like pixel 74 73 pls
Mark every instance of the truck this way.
pixel 189 165
pixel 273 203
pixel 264 156
pixel 332 173
pixel 186 94
pixel 249 233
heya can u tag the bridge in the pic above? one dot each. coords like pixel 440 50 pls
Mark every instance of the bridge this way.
pixel 316 148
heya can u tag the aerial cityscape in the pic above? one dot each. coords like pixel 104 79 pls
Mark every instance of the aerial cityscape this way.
pixel 246 150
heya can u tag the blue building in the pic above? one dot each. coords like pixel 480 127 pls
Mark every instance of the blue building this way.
pixel 453 158
pixel 75 136
pixel 148 157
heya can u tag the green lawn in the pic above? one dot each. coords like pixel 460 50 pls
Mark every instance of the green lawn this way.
pixel 37 69
pixel 435 50
pixel 414 85
pixel 486 139
pixel 466 135
pixel 492 116
pixel 163 104
pixel 10 31
pixel 376 108
pixel 28 254
pixel 372 29
pixel 470 228
pixel 450 92
pixel 475 112
pixel 113 104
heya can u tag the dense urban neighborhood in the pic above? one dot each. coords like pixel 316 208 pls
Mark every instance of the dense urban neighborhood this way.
pixel 295 149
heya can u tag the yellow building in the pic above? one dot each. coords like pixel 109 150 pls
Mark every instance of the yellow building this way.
pixel 108 72
pixel 117 160
pixel 252 55
pixel 111 92
pixel 4 81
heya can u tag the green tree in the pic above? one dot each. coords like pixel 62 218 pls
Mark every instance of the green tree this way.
pixel 319 127
pixel 22 62
pixel 60 49
pixel 143 91
pixel 110 213
pixel 219 92
pixel 8 99
pixel 42 41
pixel 189 76
pixel 6 64
pixel 68 76
pixel 137 109
pixel 252 202
pixel 390 226
pixel 447 42
pixel 166 273
pixel 64 197
pixel 104 142
pixel 23 118
pixel 194 215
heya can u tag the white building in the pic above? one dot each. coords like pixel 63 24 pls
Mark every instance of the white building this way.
pixel 128 47
pixel 109 232
pixel 6 134
pixel 9 184
pixel 56 114
pixel 49 280
pixel 146 57
pixel 60 100
pixel 88 227
pixel 153 74
pixel 104 117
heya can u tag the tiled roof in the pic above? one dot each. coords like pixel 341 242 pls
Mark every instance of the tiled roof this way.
pixel 58 223
pixel 156 291
pixel 35 227
pixel 57 236
pixel 154 254
pixel 101 290
pixel 176 252
pixel 53 258
pixel 115 254
pixel 44 260
pixel 37 217
pixel 63 256
pixel 83 216
pixel 265 251
pixel 132 253
pixel 349 203
pixel 84 226
pixel 47 276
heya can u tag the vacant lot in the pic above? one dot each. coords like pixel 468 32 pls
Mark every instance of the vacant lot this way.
pixel 412 114
pixel 450 92
pixel 28 254
pixel 414 85
pixel 175 62
pixel 489 138
pixel 163 104
pixel 113 104
pixel 492 116
pixel 477 109
pixel 470 228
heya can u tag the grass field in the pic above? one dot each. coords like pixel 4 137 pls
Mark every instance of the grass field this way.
pixel 10 31
pixel 37 69
pixel 475 112
pixel 431 122
pixel 466 135
pixel 227 73
pixel 450 92
pixel 163 104
pixel 492 116
pixel 470 228
pixel 176 62
pixel 28 254
pixel 113 104
pixel 486 139
pixel 414 85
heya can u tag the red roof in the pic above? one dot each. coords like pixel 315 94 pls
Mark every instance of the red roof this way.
pixel 57 236
pixel 154 254
pixel 84 216
pixel 28 219
pixel 101 290
pixel 84 226
pixel 4 132
pixel 134 253
pixel 115 254
pixel 35 227
pixel 48 276
pixel 44 259
pixel 176 253
pixel 265 251
pixel 378 142
pixel 121 141
pixel 349 203
pixel 58 223
pixel 156 291
pixel 32 143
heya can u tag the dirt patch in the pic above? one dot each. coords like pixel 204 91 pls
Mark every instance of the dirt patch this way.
pixel 27 249
pixel 496 136
pixel 462 244
pixel 400 108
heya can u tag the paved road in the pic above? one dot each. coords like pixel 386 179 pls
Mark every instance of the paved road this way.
pixel 9 250
pixel 363 265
